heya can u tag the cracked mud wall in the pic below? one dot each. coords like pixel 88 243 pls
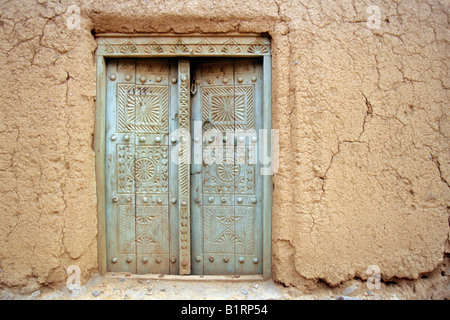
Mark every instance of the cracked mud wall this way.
pixel 363 116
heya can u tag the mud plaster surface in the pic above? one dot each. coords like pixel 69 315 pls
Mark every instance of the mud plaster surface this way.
pixel 364 128
pixel 123 286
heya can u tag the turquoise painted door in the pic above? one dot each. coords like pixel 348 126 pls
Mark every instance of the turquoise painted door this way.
pixel 141 221
pixel 167 217
pixel 226 185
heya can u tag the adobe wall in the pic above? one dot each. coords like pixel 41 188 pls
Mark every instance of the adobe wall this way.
pixel 363 115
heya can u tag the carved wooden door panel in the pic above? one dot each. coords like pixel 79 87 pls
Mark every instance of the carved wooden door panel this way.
pixel 226 187
pixel 141 221
pixel 163 214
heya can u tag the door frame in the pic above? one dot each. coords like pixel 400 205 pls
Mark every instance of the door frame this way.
pixel 187 46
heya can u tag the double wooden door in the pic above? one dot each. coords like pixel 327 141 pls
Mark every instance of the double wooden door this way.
pixel 174 207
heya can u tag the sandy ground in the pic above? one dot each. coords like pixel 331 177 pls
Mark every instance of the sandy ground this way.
pixel 125 286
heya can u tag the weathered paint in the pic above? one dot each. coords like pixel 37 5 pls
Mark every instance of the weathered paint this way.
pixel 147 195
pixel 228 215
pixel 137 165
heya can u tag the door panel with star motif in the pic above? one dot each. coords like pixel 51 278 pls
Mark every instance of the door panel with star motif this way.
pixel 226 187
pixel 139 119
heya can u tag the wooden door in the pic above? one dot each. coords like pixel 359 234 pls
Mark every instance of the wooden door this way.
pixel 226 191
pixel 141 221
pixel 168 216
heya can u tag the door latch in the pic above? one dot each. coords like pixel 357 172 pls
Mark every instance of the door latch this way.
pixel 194 86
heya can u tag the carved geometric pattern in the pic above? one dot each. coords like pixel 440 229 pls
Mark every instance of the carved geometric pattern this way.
pixel 231 47
pixel 213 69
pixel 224 108
pixel 228 236
pixel 183 122
pixel 184 103
pixel 144 221
pixel 128 47
pixel 229 223
pixel 152 169
pixel 229 229
pixel 257 47
pixel 109 48
pixel 142 108
pixel 154 47
pixel 152 67
pixel 228 108
pixel 142 168
pixel 189 46
pixel 226 171
pixel 146 110
pixel 244 66
pixel 138 173
pixel 229 176
pixel 205 47
pixel 183 169
pixel 126 223
pixel 144 239
pixel 152 229
pixel 180 48
pixel 123 90
pixel 126 65
pixel 124 167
